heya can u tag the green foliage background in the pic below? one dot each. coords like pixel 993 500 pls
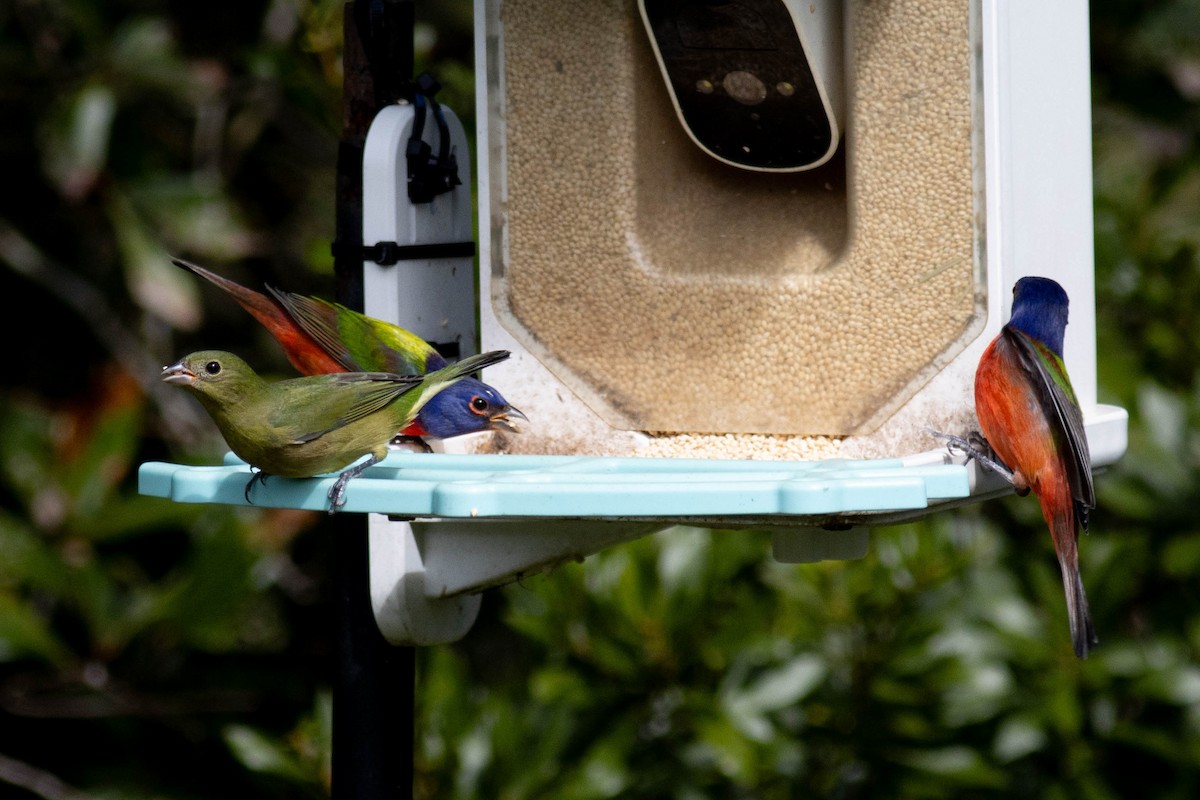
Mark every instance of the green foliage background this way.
pixel 153 650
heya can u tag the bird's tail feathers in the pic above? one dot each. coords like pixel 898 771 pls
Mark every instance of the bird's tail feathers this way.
pixel 1083 631
pixel 251 300
pixel 435 382
pixel 463 368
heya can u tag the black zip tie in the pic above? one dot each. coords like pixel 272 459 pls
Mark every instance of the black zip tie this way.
pixel 389 253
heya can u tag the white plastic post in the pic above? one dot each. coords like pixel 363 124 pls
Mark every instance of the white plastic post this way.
pixel 435 299
pixel 432 297
pixel 1038 183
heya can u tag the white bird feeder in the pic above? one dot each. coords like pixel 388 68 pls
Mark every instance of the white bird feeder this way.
pixel 715 325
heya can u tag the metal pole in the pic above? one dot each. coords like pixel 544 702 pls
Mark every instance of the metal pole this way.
pixel 373 690
pixel 377 64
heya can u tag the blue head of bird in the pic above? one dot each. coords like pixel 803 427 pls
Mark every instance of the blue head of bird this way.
pixel 1039 309
pixel 468 406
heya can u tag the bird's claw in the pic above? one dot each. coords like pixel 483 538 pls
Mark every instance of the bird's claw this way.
pixel 257 476
pixel 337 492
pixel 975 446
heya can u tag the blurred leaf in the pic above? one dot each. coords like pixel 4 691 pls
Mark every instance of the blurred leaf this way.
pixel 190 214
pixel 159 287
pixel 262 753
pixel 25 633
pixel 771 691
pixel 77 147
pixel 960 766
pixel 1018 737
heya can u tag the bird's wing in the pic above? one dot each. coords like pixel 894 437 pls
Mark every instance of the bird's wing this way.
pixel 360 342
pixel 327 402
pixel 319 321
pixel 400 350
pixel 318 404
pixel 1058 399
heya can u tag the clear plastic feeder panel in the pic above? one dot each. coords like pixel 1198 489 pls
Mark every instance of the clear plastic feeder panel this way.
pixel 673 292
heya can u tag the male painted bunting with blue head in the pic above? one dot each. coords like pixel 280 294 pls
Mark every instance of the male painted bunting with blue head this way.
pixel 316 424
pixel 321 337
pixel 1032 422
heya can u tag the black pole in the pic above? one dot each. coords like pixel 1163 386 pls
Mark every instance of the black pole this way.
pixel 373 693
pixel 373 689
pixel 377 65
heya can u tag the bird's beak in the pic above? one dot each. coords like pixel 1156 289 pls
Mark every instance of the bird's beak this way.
pixel 504 419
pixel 178 373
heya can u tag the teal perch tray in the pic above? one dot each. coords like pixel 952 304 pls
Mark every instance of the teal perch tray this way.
pixel 415 485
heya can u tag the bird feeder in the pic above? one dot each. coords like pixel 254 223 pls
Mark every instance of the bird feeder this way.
pixel 745 254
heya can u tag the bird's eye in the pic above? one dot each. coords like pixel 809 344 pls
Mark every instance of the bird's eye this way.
pixel 212 367
pixel 479 404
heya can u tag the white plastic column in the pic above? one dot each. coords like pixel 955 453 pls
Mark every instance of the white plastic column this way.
pixel 1038 188
pixel 432 297
pixel 435 299
pixel 1038 143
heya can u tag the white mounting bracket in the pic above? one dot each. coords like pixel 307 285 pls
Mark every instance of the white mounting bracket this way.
pixel 424 592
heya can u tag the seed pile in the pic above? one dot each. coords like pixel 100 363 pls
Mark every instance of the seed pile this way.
pixel 755 446
pixel 702 300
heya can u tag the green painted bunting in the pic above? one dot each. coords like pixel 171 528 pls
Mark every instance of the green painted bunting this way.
pixel 313 425
pixel 321 337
